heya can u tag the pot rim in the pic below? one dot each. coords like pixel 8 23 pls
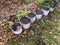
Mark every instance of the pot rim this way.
pixel 16 26
pixel 47 8
pixel 32 16
pixel 26 18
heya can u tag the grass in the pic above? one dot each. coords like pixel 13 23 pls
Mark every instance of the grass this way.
pixel 50 31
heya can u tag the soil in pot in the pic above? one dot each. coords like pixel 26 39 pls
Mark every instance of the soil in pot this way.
pixel 17 28
pixel 39 14
pixel 45 8
pixel 25 20
pixel 32 17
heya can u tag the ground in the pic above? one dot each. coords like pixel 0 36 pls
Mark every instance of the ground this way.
pixel 50 31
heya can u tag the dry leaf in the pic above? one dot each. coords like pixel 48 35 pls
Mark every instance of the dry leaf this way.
pixel 2 43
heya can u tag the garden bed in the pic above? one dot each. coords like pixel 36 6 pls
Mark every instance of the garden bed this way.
pixel 10 38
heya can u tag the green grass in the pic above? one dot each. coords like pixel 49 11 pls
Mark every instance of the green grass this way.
pixel 50 31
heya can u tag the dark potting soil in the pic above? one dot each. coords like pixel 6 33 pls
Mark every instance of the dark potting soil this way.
pixel 31 15
pixel 39 12
pixel 14 27
pixel 25 20
pixel 45 8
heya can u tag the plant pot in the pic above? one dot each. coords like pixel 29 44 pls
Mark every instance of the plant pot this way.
pixel 51 9
pixel 39 14
pixel 45 10
pixel 32 17
pixel 17 28
pixel 25 22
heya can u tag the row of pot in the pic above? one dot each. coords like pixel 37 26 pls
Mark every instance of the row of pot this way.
pixel 25 22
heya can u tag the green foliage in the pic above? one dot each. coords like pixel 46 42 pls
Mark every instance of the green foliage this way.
pixel 49 3
pixel 21 13
pixel 27 1
pixel 9 23
pixel 40 2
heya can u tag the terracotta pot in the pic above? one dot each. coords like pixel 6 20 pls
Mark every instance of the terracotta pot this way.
pixel 32 17
pixel 17 28
pixel 25 22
